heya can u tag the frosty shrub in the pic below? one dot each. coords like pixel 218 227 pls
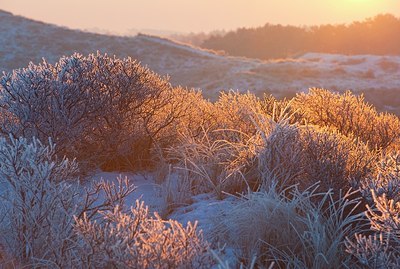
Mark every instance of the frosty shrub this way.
pixel 373 252
pixel 39 201
pixel 289 154
pixel 293 233
pixel 385 180
pixel 385 215
pixel 40 197
pixel 277 152
pixel 334 159
pixel 279 109
pixel 96 108
pixel 49 220
pixel 381 249
pixel 234 111
pixel 350 115
pixel 221 154
pixel 210 165
pixel 199 112
pixel 185 112
pixel 137 240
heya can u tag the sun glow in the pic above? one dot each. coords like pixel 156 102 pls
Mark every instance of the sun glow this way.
pixel 359 9
pixel 362 5
pixel 195 16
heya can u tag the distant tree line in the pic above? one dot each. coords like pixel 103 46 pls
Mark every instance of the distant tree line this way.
pixel 378 35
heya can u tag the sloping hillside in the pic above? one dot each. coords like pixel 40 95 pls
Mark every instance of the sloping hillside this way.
pixel 23 40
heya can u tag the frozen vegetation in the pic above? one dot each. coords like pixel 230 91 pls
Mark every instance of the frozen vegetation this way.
pixel 105 164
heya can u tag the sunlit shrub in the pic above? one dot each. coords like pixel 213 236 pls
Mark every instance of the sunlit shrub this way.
pixel 279 109
pixel 350 115
pixel 187 113
pixel 381 249
pixel 334 159
pixel 293 154
pixel 277 152
pixel 234 111
pixel 215 155
pixel 379 246
pixel 212 165
pixel 137 240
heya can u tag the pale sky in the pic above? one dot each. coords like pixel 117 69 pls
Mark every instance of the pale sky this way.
pixel 195 15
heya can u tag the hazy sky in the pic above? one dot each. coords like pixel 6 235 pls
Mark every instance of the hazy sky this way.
pixel 195 15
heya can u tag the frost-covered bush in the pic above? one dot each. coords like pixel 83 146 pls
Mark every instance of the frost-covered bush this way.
pixel 334 159
pixel 293 232
pixel 200 114
pixel 229 160
pixel 288 154
pixel 50 220
pixel 385 179
pixel 210 165
pixel 221 155
pixel 137 240
pixel 373 252
pixel 96 108
pixel 40 196
pixel 385 215
pixel 381 247
pixel 279 109
pixel 184 112
pixel 279 154
pixel 234 111
pixel 349 115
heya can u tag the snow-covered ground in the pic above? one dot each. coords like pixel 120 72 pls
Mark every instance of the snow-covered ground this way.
pixel 200 208
pixel 203 208
pixel 24 40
